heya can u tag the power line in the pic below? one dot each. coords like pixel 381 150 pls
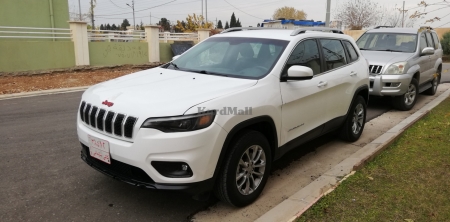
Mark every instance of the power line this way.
pixel 141 9
pixel 116 5
pixel 243 11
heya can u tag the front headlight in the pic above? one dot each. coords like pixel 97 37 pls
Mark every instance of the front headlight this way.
pixel 181 123
pixel 396 68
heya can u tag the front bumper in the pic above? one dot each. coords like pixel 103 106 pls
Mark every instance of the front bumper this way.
pixel 131 161
pixel 389 85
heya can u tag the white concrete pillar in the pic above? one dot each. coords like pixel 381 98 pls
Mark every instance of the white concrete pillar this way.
pixel 166 36
pixel 152 36
pixel 80 42
pixel 203 34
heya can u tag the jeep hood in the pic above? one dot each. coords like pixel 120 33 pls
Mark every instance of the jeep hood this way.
pixel 385 58
pixel 161 92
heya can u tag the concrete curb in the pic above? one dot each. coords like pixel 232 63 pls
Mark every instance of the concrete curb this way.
pixel 291 208
pixel 43 92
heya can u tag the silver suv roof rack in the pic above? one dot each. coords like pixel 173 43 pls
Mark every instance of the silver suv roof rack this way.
pixel 246 28
pixel 384 26
pixel 426 27
pixel 321 29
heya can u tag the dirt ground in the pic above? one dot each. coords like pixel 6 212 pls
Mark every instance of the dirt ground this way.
pixel 62 79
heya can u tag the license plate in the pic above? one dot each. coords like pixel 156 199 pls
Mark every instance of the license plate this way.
pixel 99 149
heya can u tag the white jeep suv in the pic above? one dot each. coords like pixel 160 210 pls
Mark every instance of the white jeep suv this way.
pixel 217 116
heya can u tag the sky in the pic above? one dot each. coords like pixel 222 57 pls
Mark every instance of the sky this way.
pixel 250 12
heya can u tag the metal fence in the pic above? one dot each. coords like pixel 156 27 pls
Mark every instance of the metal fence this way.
pixel 167 36
pixel 8 32
pixel 115 36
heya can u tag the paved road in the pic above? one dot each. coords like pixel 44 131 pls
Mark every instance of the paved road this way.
pixel 43 177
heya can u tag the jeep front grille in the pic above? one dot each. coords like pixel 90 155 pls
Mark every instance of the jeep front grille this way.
pixel 375 69
pixel 108 121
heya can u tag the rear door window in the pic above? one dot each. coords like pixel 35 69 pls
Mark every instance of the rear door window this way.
pixel 429 40
pixel 334 53
pixel 351 51
pixel 436 40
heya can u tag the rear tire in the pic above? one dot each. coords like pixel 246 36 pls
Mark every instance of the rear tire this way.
pixel 355 121
pixel 246 169
pixel 408 100
pixel 434 83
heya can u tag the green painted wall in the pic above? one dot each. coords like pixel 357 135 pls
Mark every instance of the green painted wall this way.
pixel 26 55
pixel 165 52
pixel 34 13
pixel 117 53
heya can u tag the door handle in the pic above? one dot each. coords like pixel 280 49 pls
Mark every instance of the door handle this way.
pixel 321 84
pixel 353 73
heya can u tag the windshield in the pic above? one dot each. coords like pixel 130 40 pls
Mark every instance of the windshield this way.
pixel 251 58
pixel 388 42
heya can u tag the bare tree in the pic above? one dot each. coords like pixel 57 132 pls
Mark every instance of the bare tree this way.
pixel 395 17
pixel 426 9
pixel 358 14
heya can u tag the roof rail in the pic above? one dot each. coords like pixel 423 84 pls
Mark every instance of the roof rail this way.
pixel 384 26
pixel 322 29
pixel 426 27
pixel 246 28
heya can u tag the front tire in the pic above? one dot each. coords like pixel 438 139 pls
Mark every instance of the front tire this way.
pixel 246 169
pixel 434 84
pixel 408 100
pixel 355 122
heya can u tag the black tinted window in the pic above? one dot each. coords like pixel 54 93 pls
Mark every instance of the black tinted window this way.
pixel 436 40
pixel 429 40
pixel 351 51
pixel 334 53
pixel 305 54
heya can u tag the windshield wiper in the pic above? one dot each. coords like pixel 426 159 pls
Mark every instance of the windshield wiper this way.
pixel 389 50
pixel 208 72
pixel 175 66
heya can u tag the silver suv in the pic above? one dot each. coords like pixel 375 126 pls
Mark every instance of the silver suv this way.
pixel 403 62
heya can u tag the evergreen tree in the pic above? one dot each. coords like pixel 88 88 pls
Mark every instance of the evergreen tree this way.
pixel 102 27
pixel 108 27
pixel 233 21
pixel 238 23
pixel 219 25
pixel 226 25
pixel 113 27
pixel 141 26
pixel 125 24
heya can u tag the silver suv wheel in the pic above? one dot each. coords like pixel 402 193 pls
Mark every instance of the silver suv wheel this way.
pixel 250 170
pixel 410 95
pixel 358 119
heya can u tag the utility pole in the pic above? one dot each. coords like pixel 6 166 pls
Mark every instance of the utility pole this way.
pixel 327 20
pixel 206 8
pixel 79 8
pixel 202 9
pixel 132 7
pixel 403 16
pixel 92 14
pixel 150 18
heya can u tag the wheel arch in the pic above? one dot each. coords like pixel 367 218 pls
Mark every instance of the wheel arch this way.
pixel 262 124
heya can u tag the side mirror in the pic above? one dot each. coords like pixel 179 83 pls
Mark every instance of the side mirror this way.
pixel 299 73
pixel 427 51
pixel 175 57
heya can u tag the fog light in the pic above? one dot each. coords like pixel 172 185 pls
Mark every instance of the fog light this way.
pixel 173 169
pixel 395 84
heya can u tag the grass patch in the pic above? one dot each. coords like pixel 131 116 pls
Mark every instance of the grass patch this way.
pixel 409 181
